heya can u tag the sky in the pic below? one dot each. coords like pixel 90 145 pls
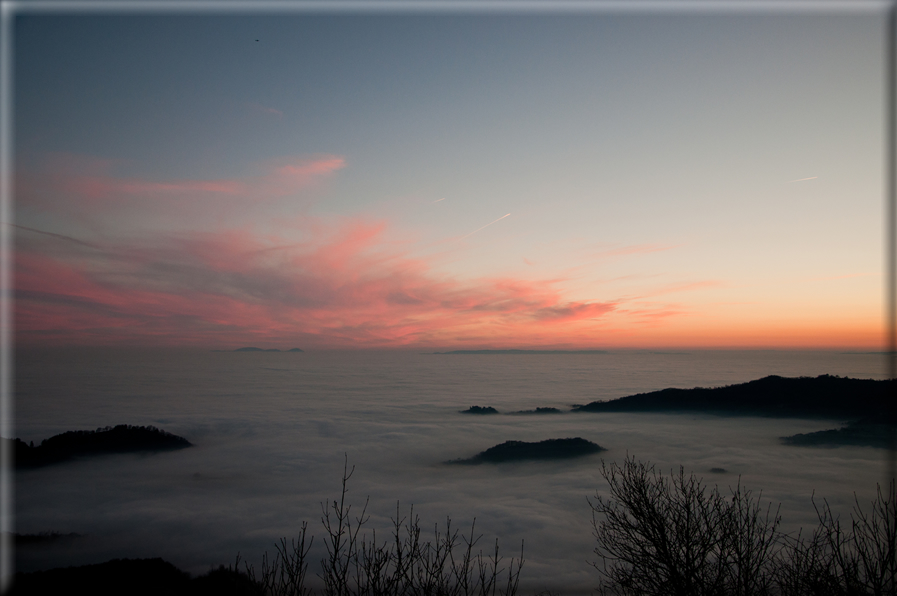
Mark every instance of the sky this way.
pixel 449 179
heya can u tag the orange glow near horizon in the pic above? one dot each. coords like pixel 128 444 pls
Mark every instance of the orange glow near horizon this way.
pixel 348 291
pixel 347 282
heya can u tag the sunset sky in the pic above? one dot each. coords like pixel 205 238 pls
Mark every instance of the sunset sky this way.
pixel 449 179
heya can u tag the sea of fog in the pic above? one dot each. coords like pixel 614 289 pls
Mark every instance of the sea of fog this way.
pixel 271 432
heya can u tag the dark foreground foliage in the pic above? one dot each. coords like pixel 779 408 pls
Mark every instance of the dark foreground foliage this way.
pixel 120 439
pixel 658 535
pixel 356 564
pixel 672 535
pixel 403 564
pixel 135 577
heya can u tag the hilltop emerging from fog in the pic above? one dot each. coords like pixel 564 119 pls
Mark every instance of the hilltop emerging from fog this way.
pixel 120 439
pixel 520 450
pixel 824 396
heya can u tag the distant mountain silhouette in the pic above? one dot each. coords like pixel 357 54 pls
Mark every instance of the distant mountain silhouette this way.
pixel 254 349
pixel 825 396
pixel 251 349
pixel 540 411
pixel 480 410
pixel 524 352
pixel 520 450
pixel 120 439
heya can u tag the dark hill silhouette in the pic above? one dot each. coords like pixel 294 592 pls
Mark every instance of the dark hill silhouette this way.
pixel 540 411
pixel 137 577
pixel 120 439
pixel 479 410
pixel 825 396
pixel 42 538
pixel 520 450
pixel 873 431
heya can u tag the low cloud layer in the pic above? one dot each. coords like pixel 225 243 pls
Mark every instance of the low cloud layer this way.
pixel 271 431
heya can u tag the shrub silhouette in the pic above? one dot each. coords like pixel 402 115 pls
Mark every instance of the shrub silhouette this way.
pixel 671 535
pixel 858 559
pixel 403 565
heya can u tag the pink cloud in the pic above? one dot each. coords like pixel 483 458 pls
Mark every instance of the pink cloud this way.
pixel 67 181
pixel 574 311
pixel 321 283
pixel 287 176
pixel 235 287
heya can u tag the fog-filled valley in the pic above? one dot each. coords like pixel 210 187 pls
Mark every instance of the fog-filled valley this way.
pixel 271 433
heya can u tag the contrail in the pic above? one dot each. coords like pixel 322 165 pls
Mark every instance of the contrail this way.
pixel 802 179
pixel 437 200
pixel 486 226
pixel 60 236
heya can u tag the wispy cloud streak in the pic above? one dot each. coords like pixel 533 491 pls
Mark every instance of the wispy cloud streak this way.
pixel 70 181
pixel 272 273
pixel 343 290
pixel 484 227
